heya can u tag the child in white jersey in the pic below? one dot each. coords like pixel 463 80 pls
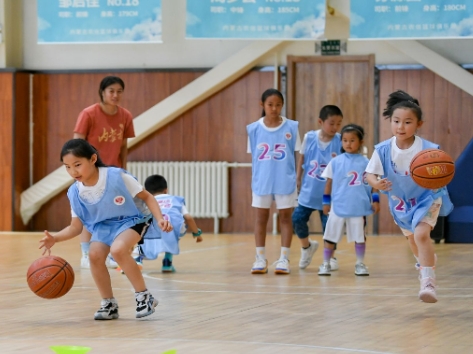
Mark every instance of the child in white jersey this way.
pixel 414 209
pixel 348 198
pixel 317 149
pixel 174 210
pixel 102 200
pixel 272 142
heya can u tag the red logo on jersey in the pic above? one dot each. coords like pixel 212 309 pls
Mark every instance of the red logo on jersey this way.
pixel 334 154
pixel 288 136
pixel 119 200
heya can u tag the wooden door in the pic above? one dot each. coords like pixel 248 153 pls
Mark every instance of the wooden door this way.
pixel 344 81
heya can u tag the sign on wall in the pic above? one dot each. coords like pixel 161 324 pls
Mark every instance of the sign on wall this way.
pixel 255 19
pixel 411 19
pixel 99 21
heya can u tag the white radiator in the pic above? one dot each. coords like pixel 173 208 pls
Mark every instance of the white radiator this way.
pixel 204 185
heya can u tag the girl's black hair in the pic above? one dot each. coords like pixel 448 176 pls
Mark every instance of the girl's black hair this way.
pixel 352 128
pixel 268 93
pixel 328 111
pixel 107 81
pixel 401 99
pixel 156 184
pixel 81 148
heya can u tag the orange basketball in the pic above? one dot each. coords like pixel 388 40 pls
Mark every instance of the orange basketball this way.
pixel 50 277
pixel 432 168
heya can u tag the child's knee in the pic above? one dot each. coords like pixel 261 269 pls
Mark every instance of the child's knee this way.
pixel 97 255
pixel 330 245
pixel 119 250
pixel 298 217
pixel 285 217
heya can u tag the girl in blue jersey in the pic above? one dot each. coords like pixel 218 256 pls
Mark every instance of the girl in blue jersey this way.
pixel 272 142
pixel 347 197
pixel 174 210
pixel 414 209
pixel 317 149
pixel 102 201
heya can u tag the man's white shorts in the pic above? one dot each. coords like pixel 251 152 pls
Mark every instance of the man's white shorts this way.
pixel 283 201
pixel 355 228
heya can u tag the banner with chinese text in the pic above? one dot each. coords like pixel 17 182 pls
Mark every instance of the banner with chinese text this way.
pixel 99 21
pixel 414 19
pixel 255 19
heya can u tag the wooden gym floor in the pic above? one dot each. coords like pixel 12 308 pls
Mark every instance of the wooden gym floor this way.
pixel 212 304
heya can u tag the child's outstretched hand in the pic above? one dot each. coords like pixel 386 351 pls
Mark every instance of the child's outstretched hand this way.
pixel 383 184
pixel 47 242
pixel 197 236
pixel 165 225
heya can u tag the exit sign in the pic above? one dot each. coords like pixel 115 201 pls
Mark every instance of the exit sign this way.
pixel 331 47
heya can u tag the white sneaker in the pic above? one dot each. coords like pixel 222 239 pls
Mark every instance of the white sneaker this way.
pixel 427 291
pixel 307 254
pixel 84 261
pixel 282 266
pixel 333 264
pixel 108 310
pixel 325 269
pixel 260 266
pixel 110 262
pixel 361 269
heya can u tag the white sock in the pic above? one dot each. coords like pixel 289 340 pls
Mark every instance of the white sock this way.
pixel 261 253
pixel 284 253
pixel 417 259
pixel 427 272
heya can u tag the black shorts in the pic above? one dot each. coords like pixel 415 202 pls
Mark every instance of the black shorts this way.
pixel 141 229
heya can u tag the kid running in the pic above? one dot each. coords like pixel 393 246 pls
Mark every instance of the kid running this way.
pixel 347 197
pixel 414 209
pixel 175 211
pixel 272 142
pixel 102 201
pixel 317 149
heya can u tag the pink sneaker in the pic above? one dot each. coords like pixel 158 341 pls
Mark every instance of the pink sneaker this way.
pixel 427 290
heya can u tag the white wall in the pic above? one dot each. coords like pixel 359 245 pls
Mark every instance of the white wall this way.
pixel 177 52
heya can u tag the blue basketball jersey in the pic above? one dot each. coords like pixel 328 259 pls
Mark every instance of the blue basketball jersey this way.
pixel 171 208
pixel 272 152
pixel 316 159
pixel 408 202
pixel 114 213
pixel 351 193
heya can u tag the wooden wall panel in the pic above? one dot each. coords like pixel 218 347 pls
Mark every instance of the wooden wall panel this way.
pixel 58 100
pixel 223 117
pixel 59 97
pixel 447 112
pixel 21 178
pixel 215 130
pixel 6 149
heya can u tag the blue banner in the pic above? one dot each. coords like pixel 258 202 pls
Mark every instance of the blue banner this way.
pixel 414 19
pixel 255 19
pixel 99 21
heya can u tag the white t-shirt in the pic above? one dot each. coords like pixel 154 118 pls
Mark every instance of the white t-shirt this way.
pixel 92 194
pixel 261 121
pixel 328 172
pixel 323 144
pixel 401 158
